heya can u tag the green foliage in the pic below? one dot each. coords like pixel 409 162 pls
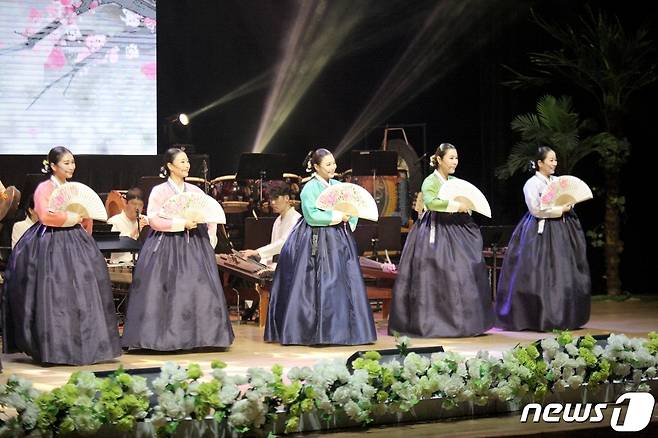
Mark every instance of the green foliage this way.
pixel 525 373
pixel 555 124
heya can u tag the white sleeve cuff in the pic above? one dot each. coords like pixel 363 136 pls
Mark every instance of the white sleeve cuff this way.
pixel 453 207
pixel 556 211
pixel 71 219
pixel 549 213
pixel 178 224
pixel 336 217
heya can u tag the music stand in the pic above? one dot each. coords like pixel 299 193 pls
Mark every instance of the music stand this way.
pixel 32 180
pixel 375 163
pixel 496 238
pixel 146 184
pixel 383 234
pixel 263 167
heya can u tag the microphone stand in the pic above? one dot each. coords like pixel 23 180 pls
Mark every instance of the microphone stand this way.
pixel 138 232
pixel 204 170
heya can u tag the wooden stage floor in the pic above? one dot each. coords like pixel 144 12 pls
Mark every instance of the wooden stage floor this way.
pixel 633 317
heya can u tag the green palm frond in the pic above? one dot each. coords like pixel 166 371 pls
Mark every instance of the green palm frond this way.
pixel 518 159
pixel 599 56
pixel 555 124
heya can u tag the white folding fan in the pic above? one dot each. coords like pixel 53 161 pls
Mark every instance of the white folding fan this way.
pixel 565 190
pixel 350 199
pixel 194 206
pixel 77 198
pixel 460 190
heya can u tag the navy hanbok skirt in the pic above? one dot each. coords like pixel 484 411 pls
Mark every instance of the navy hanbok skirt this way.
pixel 318 295
pixel 544 282
pixel 176 300
pixel 58 299
pixel 442 289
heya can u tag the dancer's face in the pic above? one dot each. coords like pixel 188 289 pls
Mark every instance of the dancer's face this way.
pixel 547 165
pixel 180 166
pixel 64 168
pixel 327 167
pixel 448 163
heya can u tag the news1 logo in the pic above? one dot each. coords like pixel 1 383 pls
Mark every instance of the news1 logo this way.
pixel 638 413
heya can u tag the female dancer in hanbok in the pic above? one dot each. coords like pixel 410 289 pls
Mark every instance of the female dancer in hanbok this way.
pixel 442 288
pixel 544 282
pixel 318 294
pixel 58 297
pixel 176 300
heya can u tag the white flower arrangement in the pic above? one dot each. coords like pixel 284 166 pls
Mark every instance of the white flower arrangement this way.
pixel 254 401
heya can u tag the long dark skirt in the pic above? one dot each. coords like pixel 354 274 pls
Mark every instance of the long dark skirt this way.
pixel 442 289
pixel 58 299
pixel 318 295
pixel 176 300
pixel 544 282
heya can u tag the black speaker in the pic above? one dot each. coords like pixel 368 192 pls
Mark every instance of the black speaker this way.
pixel 148 373
pixel 386 231
pixel 602 339
pixel 258 232
pixel 391 354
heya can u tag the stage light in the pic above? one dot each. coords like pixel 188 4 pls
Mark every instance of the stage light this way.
pixel 318 30
pixel 253 84
pixel 428 58
pixel 183 119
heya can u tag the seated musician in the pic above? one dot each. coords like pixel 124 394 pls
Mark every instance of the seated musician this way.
pixel 288 217
pixel 22 226
pixel 283 225
pixel 129 222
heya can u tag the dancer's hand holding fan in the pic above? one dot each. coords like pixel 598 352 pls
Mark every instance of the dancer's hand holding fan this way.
pixel 349 199
pixel 565 190
pixel 77 198
pixel 193 206
pixel 460 190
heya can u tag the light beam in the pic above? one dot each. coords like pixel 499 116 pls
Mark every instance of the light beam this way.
pixel 318 30
pixel 427 58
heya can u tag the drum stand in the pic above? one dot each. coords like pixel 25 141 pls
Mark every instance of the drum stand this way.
pixel 261 167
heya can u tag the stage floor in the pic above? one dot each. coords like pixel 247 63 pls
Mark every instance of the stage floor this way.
pixel 633 317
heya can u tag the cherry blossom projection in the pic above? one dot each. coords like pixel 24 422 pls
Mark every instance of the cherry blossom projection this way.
pixel 80 73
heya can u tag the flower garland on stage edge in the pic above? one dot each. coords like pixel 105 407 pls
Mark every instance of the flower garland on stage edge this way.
pixel 253 402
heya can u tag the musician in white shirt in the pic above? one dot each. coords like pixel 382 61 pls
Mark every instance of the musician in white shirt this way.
pixel 288 217
pixel 21 227
pixel 127 222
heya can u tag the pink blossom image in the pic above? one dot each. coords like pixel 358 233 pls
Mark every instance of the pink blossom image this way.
pixel 35 15
pixel 130 18
pixel 149 70
pixel 84 53
pixel 95 42
pixel 33 132
pixel 548 197
pixel 330 199
pixel 56 59
pixel 132 51
pixel 65 2
pixel 73 33
pixel 113 56
pixel 150 24
pixel 564 183
pixel 52 10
